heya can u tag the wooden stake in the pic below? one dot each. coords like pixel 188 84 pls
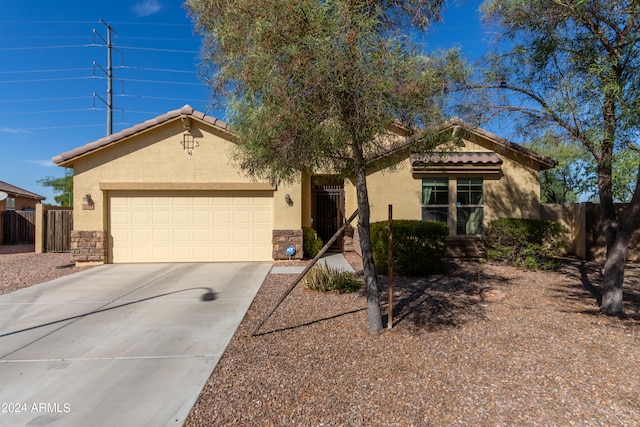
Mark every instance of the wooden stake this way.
pixel 305 271
pixel 390 268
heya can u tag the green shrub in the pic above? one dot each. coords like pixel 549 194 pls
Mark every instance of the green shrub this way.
pixel 311 243
pixel 525 243
pixel 323 278
pixel 418 247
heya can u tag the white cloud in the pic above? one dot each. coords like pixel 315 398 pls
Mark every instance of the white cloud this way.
pixel 14 130
pixel 45 163
pixel 146 8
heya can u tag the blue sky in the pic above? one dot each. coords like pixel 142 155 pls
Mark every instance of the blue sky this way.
pixel 48 78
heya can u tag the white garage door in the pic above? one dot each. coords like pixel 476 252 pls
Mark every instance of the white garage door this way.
pixel 191 227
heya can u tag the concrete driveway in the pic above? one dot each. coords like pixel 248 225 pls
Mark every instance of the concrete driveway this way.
pixel 119 345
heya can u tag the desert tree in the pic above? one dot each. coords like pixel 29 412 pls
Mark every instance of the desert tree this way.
pixel 571 67
pixel 62 187
pixel 313 86
pixel 574 175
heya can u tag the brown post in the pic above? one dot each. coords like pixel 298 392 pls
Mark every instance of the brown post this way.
pixel 305 271
pixel 390 268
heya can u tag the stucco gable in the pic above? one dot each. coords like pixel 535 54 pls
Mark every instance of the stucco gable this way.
pixel 463 129
pixel 186 112
pixel 456 125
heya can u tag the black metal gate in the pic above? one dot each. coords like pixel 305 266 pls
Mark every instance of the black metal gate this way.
pixel 329 212
pixel 18 227
pixel 58 230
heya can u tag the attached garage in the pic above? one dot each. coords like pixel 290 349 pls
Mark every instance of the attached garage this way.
pixel 187 226
pixel 170 190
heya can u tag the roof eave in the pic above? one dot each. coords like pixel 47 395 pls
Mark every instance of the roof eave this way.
pixel 66 159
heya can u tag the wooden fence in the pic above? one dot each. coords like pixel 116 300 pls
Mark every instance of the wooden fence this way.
pixel 57 230
pixel 48 227
pixel 585 238
pixel 18 227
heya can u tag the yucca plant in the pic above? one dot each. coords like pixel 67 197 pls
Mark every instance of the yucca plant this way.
pixel 323 278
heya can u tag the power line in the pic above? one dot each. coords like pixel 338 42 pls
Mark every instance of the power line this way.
pixel 158 97
pixel 61 70
pixel 153 113
pixel 138 24
pixel 157 39
pixel 13 113
pixel 54 79
pixel 163 24
pixel 46 22
pixel 161 82
pixel 59 101
pixel 40 37
pixel 152 49
pixel 125 67
pixel 49 47
pixel 66 127
pixel 45 99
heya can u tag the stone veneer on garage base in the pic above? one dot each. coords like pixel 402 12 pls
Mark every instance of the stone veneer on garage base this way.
pixel 88 246
pixel 282 239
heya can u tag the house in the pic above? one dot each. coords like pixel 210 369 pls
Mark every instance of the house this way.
pixel 18 198
pixel 167 190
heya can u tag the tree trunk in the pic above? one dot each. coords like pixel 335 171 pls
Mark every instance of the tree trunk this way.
pixel 364 213
pixel 613 275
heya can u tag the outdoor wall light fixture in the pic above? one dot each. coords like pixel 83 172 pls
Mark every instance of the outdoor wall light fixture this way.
pixel 287 198
pixel 189 143
pixel 87 202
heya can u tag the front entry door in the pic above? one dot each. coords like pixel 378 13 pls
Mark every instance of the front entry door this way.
pixel 329 212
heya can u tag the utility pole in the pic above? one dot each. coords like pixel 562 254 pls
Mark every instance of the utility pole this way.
pixel 109 73
pixel 109 81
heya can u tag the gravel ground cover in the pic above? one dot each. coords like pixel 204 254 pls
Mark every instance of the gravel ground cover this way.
pixel 541 356
pixel 21 267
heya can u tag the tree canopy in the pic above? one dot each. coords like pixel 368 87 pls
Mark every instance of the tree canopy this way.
pixel 312 86
pixel 571 68
pixel 572 177
pixel 62 187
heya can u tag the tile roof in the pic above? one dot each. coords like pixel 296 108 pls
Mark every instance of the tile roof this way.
pixel 545 162
pixel 455 122
pixel 17 191
pixel 456 159
pixel 187 110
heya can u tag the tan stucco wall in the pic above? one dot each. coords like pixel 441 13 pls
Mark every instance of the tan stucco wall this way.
pixel 157 157
pixel 513 193
pixel 307 203
pixel 572 218
pixel 393 186
pixel 585 238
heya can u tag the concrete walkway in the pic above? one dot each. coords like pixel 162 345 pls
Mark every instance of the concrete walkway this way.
pixel 336 261
pixel 119 345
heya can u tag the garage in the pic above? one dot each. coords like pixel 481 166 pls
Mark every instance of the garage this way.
pixel 190 226
pixel 171 189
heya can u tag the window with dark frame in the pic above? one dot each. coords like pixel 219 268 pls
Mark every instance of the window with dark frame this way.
pixel 469 206
pixel 435 199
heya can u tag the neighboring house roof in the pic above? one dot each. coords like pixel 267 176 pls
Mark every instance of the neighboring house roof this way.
pixel 14 191
pixel 186 111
